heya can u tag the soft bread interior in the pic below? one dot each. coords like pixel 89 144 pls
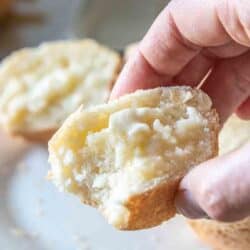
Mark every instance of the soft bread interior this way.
pixel 40 87
pixel 108 153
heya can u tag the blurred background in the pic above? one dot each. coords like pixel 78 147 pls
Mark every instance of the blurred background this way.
pixel 33 214
pixel 111 22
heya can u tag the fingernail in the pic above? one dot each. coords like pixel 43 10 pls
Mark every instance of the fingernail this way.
pixel 187 206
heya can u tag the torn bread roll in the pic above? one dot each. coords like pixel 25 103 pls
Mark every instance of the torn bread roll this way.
pixel 40 87
pixel 126 157
pixel 227 236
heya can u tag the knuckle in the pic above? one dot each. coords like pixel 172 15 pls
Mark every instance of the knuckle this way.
pixel 234 16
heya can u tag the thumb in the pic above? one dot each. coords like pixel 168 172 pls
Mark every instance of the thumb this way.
pixel 218 189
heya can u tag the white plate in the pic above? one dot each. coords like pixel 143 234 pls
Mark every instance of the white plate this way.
pixel 35 216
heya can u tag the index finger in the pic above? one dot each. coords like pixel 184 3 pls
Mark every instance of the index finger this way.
pixel 178 34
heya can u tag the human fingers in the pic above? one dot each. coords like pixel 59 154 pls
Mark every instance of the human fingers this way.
pixel 244 110
pixel 218 189
pixel 165 51
pixel 176 38
pixel 229 84
pixel 195 71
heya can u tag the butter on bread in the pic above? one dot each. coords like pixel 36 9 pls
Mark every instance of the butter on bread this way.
pixel 126 157
pixel 40 87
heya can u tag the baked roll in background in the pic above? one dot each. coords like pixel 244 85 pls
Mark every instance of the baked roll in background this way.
pixel 40 87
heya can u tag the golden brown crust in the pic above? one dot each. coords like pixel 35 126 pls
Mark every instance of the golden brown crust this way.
pixel 159 204
pixel 224 236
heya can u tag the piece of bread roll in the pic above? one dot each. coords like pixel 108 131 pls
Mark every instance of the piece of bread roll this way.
pixel 40 87
pixel 223 236
pixel 227 236
pixel 127 157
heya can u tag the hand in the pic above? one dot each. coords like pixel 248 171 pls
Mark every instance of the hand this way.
pixel 186 41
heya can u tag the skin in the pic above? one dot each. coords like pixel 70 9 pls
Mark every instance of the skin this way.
pixel 186 41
